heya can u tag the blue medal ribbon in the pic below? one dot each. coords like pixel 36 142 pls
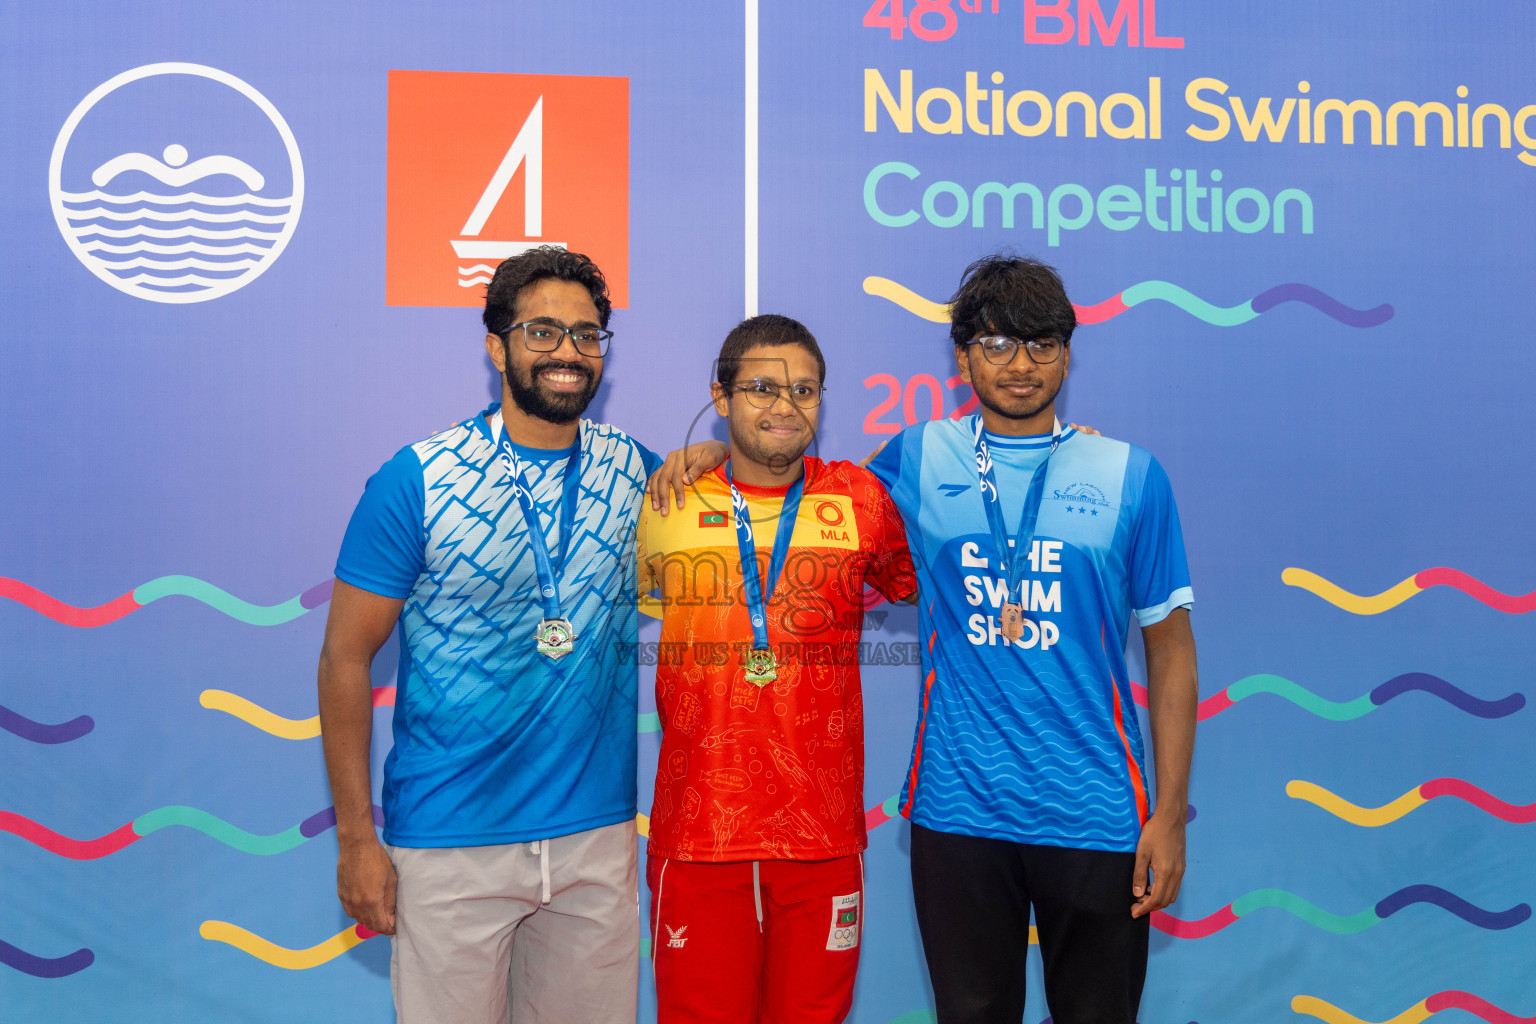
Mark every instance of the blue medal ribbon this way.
pixel 548 570
pixel 757 601
pixel 1012 563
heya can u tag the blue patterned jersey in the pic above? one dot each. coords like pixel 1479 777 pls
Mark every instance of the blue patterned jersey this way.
pixel 1037 741
pixel 494 742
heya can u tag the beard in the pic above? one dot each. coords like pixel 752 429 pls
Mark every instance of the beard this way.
pixel 535 399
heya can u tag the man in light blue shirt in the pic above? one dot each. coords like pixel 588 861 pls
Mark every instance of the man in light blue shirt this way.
pixel 502 547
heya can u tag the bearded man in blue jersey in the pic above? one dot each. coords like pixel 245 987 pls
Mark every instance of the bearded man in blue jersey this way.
pixel 502 547
pixel 1028 786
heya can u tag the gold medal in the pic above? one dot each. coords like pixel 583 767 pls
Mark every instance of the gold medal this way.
pixel 763 667
pixel 1012 616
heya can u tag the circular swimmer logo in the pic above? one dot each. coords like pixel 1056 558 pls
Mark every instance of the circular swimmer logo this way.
pixel 176 182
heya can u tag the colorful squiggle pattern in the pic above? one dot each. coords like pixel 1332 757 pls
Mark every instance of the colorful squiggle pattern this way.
pixel 164 817
pixel 281 956
pixel 38 732
pixel 1419 1011
pixel 1418 796
pixel 1336 923
pixel 166 586
pixel 1346 711
pixel 1147 291
pixel 42 966
pixel 1375 604
pixel 881 813
pixel 287 728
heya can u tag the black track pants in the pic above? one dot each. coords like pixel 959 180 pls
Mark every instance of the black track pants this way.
pixel 973 899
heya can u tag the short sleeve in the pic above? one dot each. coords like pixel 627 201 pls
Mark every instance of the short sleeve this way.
pixel 890 570
pixel 1159 571
pixel 384 550
pixel 651 459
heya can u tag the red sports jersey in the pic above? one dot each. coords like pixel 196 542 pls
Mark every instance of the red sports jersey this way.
pixel 771 773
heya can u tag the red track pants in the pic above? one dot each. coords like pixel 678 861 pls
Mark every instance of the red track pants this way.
pixel 756 942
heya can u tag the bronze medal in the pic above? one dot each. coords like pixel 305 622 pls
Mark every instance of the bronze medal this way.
pixel 1012 616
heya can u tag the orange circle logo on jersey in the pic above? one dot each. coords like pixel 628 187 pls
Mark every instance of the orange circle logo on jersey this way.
pixel 829 513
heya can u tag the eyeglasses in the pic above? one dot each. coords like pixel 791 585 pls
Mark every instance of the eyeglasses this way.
pixel 761 394
pixel 1000 349
pixel 546 336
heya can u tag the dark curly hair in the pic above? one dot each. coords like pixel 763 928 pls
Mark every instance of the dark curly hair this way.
pixel 544 261
pixel 1013 295
pixel 765 329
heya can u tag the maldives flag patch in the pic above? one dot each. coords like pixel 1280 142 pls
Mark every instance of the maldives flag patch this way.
pixel 844 933
pixel 714 519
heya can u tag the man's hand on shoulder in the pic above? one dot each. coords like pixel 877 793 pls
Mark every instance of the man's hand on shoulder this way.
pixel 1084 430
pixel 680 469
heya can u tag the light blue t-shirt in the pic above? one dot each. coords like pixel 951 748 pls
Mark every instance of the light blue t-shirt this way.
pixel 1034 742
pixel 494 742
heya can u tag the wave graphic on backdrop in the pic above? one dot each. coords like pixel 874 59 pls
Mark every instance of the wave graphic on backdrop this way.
pixel 1451 1000
pixel 166 586
pixel 188 817
pixel 281 956
pixel 1336 923
pixel 38 732
pixel 254 714
pixel 1375 604
pixel 1147 291
pixel 1373 817
pixel 881 813
pixel 179 240
pixel 480 273
pixel 1346 711
pixel 45 967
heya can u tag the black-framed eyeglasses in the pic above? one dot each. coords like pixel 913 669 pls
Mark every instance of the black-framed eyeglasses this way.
pixel 1000 349
pixel 546 336
pixel 761 394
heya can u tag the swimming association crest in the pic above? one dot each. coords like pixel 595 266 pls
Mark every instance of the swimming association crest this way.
pixel 176 182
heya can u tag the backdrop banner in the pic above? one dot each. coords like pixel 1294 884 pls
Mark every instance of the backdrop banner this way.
pixel 245 250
